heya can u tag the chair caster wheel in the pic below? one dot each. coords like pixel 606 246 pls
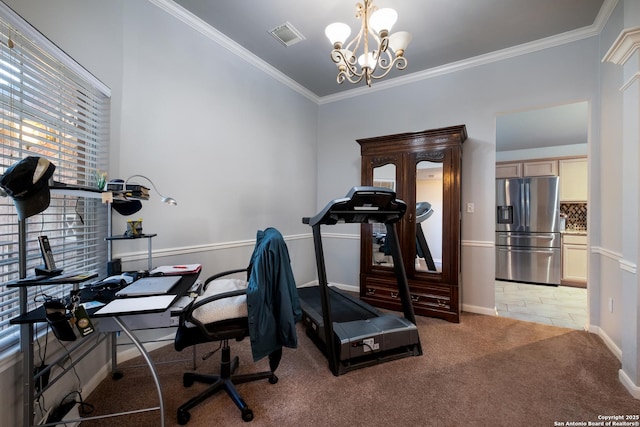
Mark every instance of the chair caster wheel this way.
pixel 273 379
pixel 117 375
pixel 247 415
pixel 187 380
pixel 183 417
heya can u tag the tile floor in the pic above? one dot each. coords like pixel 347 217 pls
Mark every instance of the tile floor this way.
pixel 551 305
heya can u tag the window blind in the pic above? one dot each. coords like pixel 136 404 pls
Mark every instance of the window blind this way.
pixel 49 107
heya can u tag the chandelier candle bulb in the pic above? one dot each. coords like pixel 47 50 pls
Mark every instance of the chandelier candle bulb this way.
pixel 382 20
pixel 337 33
pixel 399 41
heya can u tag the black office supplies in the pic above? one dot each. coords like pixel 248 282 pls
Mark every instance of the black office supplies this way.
pixel 56 314
pixel 49 268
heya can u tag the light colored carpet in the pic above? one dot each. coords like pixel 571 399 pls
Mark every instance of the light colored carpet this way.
pixel 484 371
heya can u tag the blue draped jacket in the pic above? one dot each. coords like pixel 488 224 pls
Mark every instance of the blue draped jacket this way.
pixel 272 296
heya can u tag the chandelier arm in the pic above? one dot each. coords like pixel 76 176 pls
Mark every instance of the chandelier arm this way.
pixel 385 59
pixel 401 63
pixel 350 77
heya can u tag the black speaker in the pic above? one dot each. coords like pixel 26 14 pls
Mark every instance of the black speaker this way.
pixel 114 267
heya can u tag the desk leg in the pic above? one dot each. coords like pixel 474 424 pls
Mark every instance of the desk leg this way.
pixel 149 255
pixel 28 387
pixel 115 374
pixel 147 359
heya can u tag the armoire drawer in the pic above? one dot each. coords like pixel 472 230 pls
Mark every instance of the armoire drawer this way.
pixel 420 298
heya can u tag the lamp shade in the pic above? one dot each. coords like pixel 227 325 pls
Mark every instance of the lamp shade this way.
pixel 383 19
pixel 400 40
pixel 337 32
pixel 368 60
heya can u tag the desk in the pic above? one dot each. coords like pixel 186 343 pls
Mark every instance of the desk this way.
pixel 120 321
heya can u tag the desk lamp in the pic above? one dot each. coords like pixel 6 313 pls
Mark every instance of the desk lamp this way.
pixel 167 200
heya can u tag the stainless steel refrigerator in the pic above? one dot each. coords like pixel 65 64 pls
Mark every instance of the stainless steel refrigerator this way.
pixel 528 230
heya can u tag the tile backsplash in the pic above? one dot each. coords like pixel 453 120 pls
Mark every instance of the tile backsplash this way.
pixel 576 215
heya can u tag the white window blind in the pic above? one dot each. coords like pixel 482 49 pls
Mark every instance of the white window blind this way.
pixel 53 108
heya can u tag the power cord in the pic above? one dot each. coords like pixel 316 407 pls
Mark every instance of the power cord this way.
pixel 73 367
pixel 67 403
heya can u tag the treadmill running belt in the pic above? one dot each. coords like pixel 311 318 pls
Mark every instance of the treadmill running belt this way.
pixel 343 308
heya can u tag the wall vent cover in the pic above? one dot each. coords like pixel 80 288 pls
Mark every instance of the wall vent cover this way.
pixel 286 34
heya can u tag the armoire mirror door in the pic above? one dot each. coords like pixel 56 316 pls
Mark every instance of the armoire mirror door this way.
pixel 427 168
pixel 383 176
pixel 382 171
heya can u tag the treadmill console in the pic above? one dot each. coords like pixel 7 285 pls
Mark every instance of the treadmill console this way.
pixel 362 205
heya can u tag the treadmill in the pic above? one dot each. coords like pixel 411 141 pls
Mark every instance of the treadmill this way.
pixel 423 212
pixel 351 333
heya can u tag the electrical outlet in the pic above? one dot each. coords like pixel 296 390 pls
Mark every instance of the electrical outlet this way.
pixel 471 207
pixel 610 305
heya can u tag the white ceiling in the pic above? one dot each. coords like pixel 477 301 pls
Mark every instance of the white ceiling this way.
pixel 444 31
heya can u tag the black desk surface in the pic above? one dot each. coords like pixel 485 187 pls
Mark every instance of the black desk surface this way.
pixel 62 279
pixel 37 315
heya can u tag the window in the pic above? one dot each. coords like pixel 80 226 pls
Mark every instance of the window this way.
pixel 53 108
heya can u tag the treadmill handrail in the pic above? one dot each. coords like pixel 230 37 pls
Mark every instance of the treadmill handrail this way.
pixel 358 207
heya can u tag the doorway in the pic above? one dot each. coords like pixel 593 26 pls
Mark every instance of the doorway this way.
pixel 549 141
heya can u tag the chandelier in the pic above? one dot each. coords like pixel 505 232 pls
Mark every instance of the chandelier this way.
pixel 374 62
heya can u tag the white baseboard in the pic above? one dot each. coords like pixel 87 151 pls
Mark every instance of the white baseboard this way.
pixel 348 288
pixel 341 286
pixel 607 341
pixel 632 388
pixel 479 310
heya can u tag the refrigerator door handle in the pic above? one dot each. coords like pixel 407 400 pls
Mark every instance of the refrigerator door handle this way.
pixel 527 205
pixel 542 251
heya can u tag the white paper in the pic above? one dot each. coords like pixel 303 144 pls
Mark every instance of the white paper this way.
pixel 136 305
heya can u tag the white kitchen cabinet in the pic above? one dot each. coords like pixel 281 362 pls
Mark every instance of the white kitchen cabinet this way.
pixel 540 168
pixel 509 170
pixel 573 180
pixel 574 259
pixel 544 167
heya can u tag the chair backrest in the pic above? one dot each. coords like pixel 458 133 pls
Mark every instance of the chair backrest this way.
pixel 273 307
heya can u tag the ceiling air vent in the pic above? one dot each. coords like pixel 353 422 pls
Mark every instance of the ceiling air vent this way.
pixel 286 34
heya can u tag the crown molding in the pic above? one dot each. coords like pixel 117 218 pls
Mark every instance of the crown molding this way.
pixel 627 43
pixel 207 30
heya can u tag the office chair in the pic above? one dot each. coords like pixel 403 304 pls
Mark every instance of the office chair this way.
pixel 265 307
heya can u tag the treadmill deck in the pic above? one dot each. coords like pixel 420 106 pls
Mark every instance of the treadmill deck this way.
pixel 360 330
